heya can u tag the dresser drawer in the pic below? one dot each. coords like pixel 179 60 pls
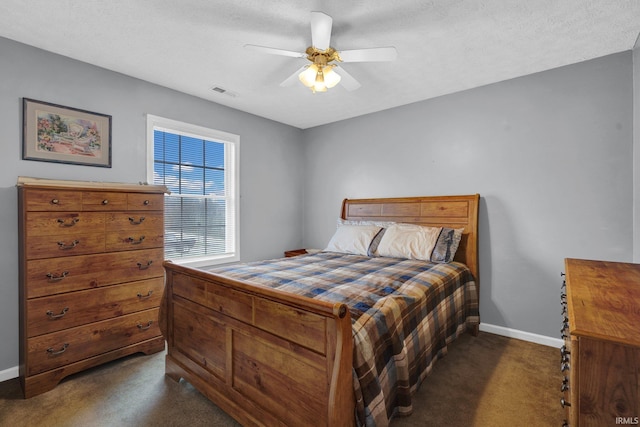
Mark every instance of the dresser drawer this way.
pixel 64 223
pixel 103 201
pixel 134 230
pixel 38 247
pixel 61 348
pixel 145 202
pixel 58 275
pixel 134 221
pixel 62 311
pixel 123 241
pixel 52 200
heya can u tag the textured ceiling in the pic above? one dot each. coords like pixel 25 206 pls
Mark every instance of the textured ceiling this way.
pixel 444 46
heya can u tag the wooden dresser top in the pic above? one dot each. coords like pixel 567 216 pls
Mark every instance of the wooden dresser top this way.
pixel 604 300
pixel 57 184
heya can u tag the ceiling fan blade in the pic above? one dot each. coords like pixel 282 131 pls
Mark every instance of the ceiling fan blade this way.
pixel 346 79
pixel 293 78
pixel 376 54
pixel 321 30
pixel 274 51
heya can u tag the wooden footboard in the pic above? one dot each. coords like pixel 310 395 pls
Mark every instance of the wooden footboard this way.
pixel 265 357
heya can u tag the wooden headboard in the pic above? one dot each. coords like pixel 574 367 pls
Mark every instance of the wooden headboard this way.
pixel 441 211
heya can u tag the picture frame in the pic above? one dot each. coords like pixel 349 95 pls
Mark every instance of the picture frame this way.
pixel 55 133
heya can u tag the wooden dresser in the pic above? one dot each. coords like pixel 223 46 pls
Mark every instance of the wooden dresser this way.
pixel 91 276
pixel 601 356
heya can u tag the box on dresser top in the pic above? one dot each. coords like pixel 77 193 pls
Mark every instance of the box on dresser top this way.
pixel 601 356
pixel 91 276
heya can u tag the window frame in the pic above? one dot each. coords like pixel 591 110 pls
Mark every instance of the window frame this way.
pixel 232 176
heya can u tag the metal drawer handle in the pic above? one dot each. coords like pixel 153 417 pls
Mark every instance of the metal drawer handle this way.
pixel 63 246
pixel 564 366
pixel 146 203
pixel 145 296
pixel 57 316
pixel 71 223
pixel 564 402
pixel 145 266
pixel 144 328
pixel 53 352
pixel 105 202
pixel 53 278
pixel 134 222
pixel 55 201
pixel 134 241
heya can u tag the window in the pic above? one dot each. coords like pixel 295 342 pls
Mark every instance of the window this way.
pixel 199 166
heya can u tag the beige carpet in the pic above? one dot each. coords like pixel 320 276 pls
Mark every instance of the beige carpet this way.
pixel 486 381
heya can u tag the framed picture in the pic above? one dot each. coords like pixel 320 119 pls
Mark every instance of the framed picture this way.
pixel 54 133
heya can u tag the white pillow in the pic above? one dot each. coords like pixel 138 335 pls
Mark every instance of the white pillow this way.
pixel 408 241
pixel 353 239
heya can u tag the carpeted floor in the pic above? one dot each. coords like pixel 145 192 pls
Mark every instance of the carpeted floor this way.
pixel 486 381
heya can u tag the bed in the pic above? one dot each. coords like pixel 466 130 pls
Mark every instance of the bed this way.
pixel 286 341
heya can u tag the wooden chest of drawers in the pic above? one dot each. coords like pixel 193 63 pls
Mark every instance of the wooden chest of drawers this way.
pixel 91 276
pixel 601 356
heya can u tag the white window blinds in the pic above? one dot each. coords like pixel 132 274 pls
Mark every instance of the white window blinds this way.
pixel 199 169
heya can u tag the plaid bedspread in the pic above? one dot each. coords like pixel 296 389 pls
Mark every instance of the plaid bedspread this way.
pixel 404 314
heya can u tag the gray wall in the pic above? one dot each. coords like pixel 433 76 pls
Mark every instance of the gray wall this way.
pixel 549 153
pixel 270 178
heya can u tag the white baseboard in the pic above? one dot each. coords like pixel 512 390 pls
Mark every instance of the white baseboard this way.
pixel 9 374
pixel 521 335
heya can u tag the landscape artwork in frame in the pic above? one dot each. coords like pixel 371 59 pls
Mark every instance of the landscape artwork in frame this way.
pixel 54 133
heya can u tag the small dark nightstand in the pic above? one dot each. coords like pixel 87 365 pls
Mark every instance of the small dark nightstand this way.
pixel 295 252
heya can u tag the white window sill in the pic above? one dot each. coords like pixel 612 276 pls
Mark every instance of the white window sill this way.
pixel 209 261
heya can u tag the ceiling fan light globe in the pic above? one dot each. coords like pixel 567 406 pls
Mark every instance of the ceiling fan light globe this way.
pixel 331 78
pixel 308 76
pixel 319 87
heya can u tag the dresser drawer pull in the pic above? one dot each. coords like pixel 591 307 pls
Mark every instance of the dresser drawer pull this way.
pixel 63 246
pixel 53 352
pixel 565 384
pixel 146 202
pixel 144 328
pixel 564 367
pixel 145 296
pixel 56 278
pixel 134 241
pixel 144 266
pixel 105 202
pixel 134 222
pixel 57 316
pixel 564 403
pixel 55 201
pixel 71 223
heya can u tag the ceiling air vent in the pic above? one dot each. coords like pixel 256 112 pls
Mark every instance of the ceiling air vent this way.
pixel 222 90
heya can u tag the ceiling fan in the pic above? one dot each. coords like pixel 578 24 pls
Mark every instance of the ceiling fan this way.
pixel 324 71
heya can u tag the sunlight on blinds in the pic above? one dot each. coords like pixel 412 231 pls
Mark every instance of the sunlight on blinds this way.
pixel 199 212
